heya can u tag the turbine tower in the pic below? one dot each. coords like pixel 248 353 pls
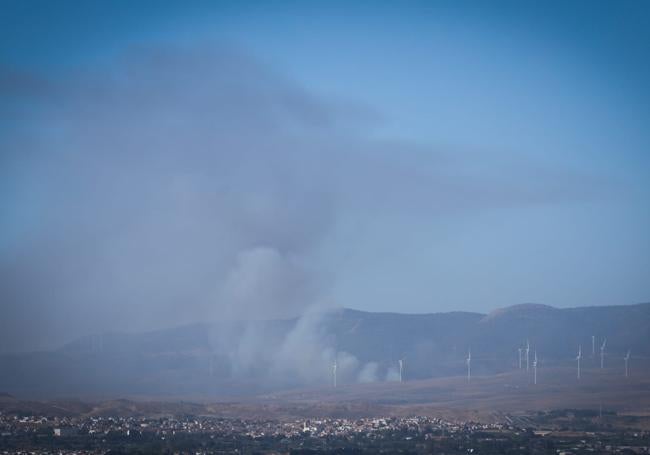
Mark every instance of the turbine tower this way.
pixel 401 368
pixel 627 359
pixel 602 354
pixel 593 346
pixel 578 359
pixel 519 349
pixel 535 368
pixel 527 356
pixel 334 373
pixel 469 365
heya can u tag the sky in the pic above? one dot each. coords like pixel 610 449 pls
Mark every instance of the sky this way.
pixel 163 163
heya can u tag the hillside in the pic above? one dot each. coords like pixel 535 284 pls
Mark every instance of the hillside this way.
pixel 191 361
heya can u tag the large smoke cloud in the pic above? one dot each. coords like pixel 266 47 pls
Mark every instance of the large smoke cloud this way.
pixel 172 186
pixel 168 187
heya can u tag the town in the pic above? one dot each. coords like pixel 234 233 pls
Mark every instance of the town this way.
pixel 205 434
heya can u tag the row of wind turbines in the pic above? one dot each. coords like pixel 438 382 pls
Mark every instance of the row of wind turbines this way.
pixel 602 355
pixel 528 361
pixel 521 350
pixel 578 358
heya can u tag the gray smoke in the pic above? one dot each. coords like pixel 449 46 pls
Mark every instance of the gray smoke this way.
pixel 169 187
pixel 175 186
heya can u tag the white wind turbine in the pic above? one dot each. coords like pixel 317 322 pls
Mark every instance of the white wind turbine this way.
pixel 519 349
pixel 535 368
pixel 334 373
pixel 602 354
pixel 593 346
pixel 401 368
pixel 627 359
pixel 469 365
pixel 527 356
pixel 578 359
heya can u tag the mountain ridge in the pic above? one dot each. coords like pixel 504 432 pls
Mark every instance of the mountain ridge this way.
pixel 206 359
pixel 494 314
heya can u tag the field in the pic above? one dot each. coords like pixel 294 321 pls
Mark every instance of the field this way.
pixel 484 398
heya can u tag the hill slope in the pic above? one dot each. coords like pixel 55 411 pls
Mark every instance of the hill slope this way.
pixel 191 361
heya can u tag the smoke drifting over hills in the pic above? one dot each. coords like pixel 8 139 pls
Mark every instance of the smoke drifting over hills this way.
pixel 180 186
pixel 173 186
pixel 164 189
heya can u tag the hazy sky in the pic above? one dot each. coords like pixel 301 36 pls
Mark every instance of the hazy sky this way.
pixel 164 163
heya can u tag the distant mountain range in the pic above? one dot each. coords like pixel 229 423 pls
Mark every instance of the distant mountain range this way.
pixel 189 361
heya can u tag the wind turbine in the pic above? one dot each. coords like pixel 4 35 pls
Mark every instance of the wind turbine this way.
pixel 401 368
pixel 602 354
pixel 519 349
pixel 469 365
pixel 627 359
pixel 578 359
pixel 535 368
pixel 527 356
pixel 593 346
pixel 334 373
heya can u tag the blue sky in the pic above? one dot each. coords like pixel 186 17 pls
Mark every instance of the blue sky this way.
pixel 473 155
